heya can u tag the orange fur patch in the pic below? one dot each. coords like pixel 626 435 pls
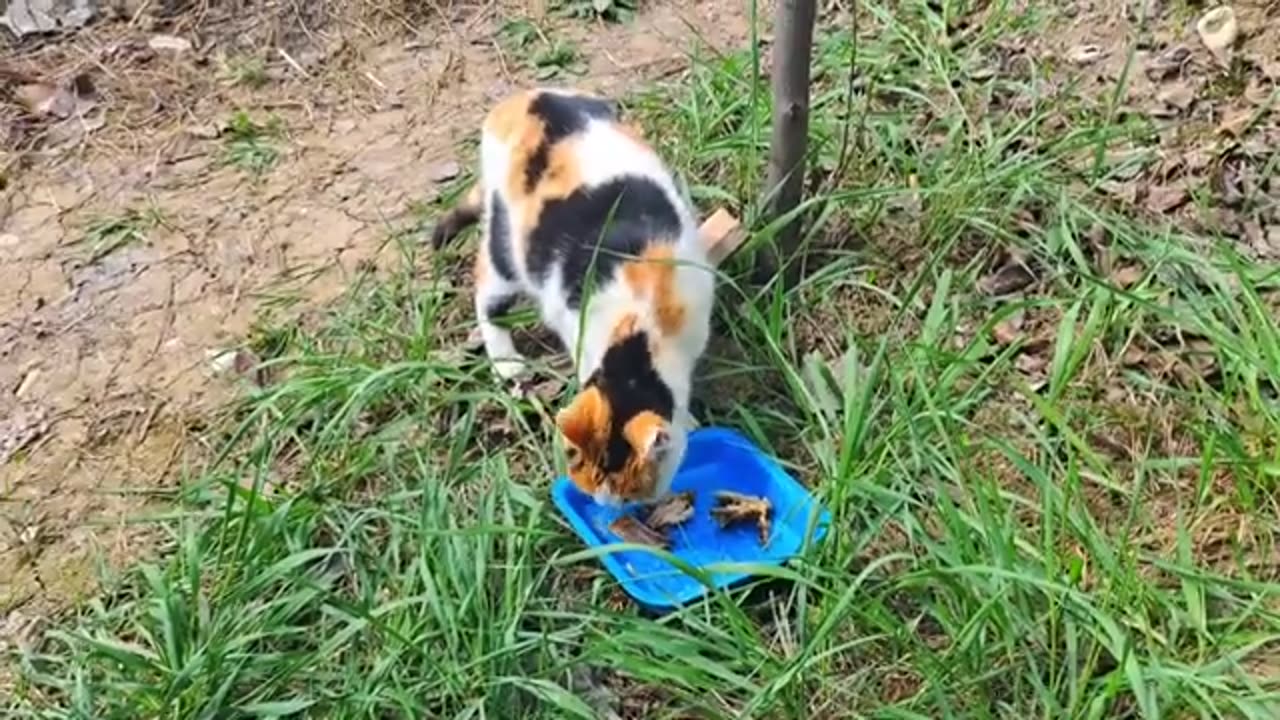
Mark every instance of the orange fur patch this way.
pixel 624 328
pixel 654 275
pixel 474 199
pixel 637 477
pixel 564 174
pixel 639 430
pixel 510 116
pixel 561 178
pixel 480 271
pixel 584 424
pixel 511 123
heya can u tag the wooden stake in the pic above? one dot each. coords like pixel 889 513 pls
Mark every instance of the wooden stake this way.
pixel 722 233
pixel 792 51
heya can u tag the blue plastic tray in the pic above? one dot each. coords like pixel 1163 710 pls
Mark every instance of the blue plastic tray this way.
pixel 717 459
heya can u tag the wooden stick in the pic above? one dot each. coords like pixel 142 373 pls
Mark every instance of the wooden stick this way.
pixel 792 51
pixel 723 234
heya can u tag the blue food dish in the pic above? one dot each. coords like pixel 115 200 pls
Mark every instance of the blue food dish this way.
pixel 717 459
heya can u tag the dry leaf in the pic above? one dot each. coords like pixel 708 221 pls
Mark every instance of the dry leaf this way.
pixel 1257 93
pixel 206 132
pixel 44 100
pixel 1201 357
pixel 1134 356
pixel 1234 182
pixel 1273 241
pixel 1126 192
pixel 1218 30
pixel 633 531
pixel 1085 54
pixel 1168 63
pixel 1095 239
pixel 76 97
pixel 1253 233
pixel 1007 331
pixel 547 390
pixel 673 510
pixel 1009 278
pixel 1179 96
pixel 734 507
pixel 1235 122
pixel 1031 363
pixel 1114 448
pixel 1195 160
pixel 1165 198
pixel 20 429
pixel 1127 276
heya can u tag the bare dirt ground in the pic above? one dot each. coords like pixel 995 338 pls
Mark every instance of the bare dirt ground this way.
pixel 134 250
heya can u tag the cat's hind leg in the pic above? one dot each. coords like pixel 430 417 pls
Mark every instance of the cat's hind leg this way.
pixel 495 296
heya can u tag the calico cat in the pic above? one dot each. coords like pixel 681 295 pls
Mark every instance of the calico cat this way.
pixel 581 215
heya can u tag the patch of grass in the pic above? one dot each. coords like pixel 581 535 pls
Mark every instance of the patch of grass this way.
pixel 250 145
pixel 546 57
pixel 246 71
pixel 106 235
pixel 1073 515
pixel 559 58
pixel 520 33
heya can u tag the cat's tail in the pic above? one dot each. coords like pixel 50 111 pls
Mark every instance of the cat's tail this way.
pixel 462 216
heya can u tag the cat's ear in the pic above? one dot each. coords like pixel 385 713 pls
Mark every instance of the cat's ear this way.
pixel 584 419
pixel 649 436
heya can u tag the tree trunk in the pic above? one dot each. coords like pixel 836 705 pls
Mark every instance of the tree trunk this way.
pixel 792 52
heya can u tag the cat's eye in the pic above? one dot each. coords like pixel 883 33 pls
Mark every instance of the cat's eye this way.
pixel 574 457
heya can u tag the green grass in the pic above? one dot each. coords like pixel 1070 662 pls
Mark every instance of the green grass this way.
pixel 246 71
pixel 251 145
pixel 104 236
pixel 1081 523
pixel 545 56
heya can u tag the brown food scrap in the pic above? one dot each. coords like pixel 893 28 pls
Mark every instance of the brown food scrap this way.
pixel 732 507
pixel 670 511
pixel 633 531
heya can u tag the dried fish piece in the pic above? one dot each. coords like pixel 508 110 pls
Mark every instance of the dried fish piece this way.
pixel 732 507
pixel 672 510
pixel 633 531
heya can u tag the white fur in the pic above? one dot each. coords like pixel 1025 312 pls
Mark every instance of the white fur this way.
pixel 606 153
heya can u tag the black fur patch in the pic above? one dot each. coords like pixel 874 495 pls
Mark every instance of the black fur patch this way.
pixel 631 385
pixel 500 255
pixel 562 116
pixel 623 217
pixel 499 307
pixel 452 224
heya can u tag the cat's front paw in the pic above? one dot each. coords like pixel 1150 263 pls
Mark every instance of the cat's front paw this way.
pixel 508 370
pixel 522 388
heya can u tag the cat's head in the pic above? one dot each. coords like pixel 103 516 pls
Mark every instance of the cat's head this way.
pixel 618 434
